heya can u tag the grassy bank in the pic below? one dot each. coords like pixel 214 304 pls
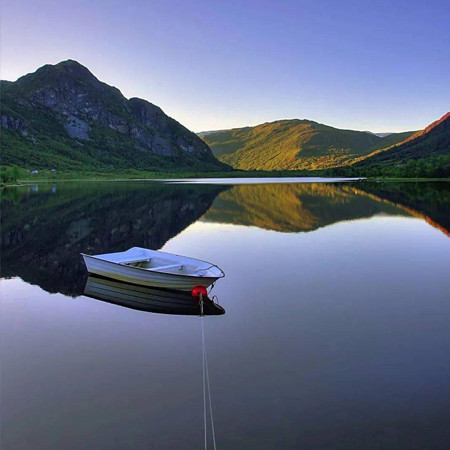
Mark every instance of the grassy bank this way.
pixel 43 175
pixel 24 177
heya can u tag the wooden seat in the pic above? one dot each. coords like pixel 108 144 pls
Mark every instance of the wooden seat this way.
pixel 168 266
pixel 136 261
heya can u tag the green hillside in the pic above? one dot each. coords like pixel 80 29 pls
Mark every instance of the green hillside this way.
pixel 294 144
pixel 62 117
pixel 428 146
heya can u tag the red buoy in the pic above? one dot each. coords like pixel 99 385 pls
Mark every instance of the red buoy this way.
pixel 199 290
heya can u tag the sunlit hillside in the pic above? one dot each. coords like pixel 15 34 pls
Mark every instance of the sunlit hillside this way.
pixel 294 144
pixel 430 146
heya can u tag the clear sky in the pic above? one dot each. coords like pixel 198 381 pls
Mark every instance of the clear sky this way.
pixel 370 65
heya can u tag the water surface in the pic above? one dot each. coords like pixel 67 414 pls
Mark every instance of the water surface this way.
pixel 335 333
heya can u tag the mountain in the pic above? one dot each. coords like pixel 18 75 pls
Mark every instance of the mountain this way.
pixel 294 144
pixel 63 117
pixel 427 144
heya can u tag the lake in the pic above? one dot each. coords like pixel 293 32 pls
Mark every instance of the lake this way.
pixel 335 334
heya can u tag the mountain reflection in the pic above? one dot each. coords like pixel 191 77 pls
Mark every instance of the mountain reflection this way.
pixel 295 207
pixel 308 206
pixel 44 230
pixel 428 200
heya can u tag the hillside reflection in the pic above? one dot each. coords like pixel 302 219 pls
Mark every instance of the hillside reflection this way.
pixel 295 207
pixel 428 200
pixel 307 207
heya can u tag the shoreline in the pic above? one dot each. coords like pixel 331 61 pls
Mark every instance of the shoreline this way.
pixel 225 180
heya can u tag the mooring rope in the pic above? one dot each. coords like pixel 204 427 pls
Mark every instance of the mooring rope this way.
pixel 204 383
pixel 207 385
pixel 209 397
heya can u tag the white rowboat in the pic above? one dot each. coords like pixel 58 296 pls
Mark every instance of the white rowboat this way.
pixel 153 268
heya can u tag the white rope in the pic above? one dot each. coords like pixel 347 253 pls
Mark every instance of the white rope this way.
pixel 206 378
pixel 209 397
pixel 204 383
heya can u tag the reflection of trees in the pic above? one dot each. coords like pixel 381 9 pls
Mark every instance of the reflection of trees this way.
pixel 430 200
pixel 295 207
pixel 43 233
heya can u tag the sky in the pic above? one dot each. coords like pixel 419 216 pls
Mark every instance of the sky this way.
pixel 371 65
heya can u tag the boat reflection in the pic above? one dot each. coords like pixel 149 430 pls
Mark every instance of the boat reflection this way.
pixel 143 298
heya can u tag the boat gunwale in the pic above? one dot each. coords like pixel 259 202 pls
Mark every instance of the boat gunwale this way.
pixel 164 273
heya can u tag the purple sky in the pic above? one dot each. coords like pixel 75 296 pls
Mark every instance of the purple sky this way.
pixel 370 65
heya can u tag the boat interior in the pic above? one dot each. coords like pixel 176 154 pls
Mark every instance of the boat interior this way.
pixel 165 265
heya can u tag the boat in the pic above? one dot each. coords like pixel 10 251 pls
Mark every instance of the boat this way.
pixel 154 268
pixel 148 299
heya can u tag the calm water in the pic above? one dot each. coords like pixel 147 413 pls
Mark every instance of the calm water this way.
pixel 336 332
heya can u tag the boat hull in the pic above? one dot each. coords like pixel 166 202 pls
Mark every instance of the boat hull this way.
pixel 142 277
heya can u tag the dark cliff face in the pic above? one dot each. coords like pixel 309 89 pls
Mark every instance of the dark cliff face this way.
pixel 68 106
pixel 181 138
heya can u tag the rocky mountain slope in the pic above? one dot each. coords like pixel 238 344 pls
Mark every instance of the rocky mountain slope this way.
pixel 294 144
pixel 63 117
